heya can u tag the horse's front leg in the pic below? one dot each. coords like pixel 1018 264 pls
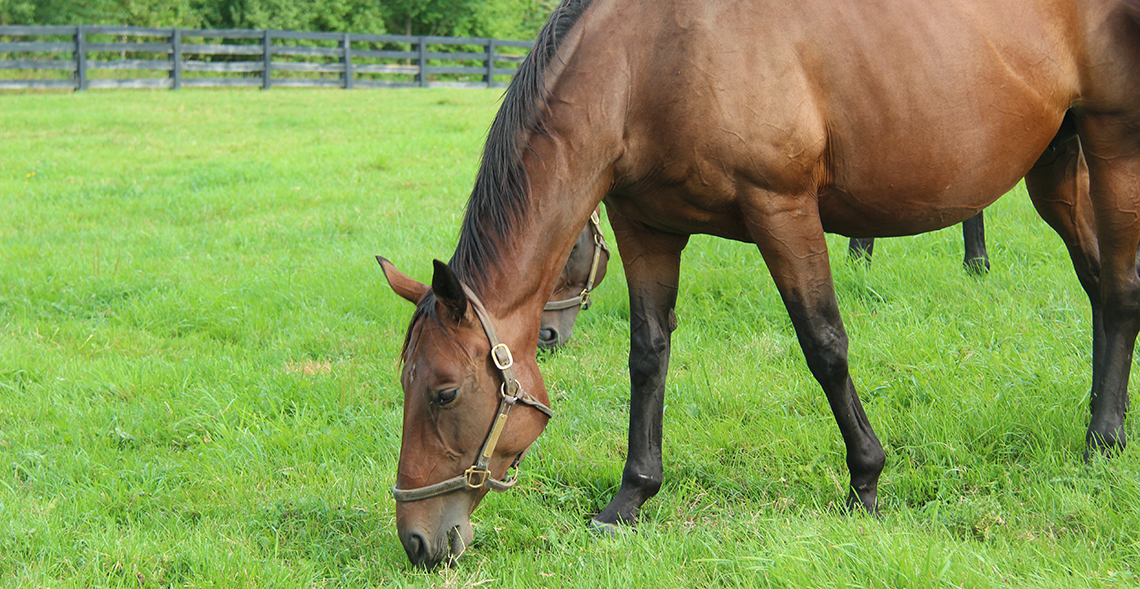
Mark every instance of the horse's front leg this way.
pixel 652 263
pixel 790 237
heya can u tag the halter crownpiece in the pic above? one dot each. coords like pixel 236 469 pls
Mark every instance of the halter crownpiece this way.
pixel 510 393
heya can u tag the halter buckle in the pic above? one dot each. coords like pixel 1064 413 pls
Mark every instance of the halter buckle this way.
pixel 476 477
pixel 511 391
pixel 585 296
pixel 502 364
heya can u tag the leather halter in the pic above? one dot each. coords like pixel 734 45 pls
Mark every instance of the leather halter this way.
pixel 583 299
pixel 510 393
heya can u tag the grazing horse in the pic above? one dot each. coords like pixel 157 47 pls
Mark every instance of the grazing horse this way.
pixel 976 259
pixel 768 122
pixel 583 271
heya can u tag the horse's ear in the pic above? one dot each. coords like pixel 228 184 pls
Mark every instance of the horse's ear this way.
pixel 449 291
pixel 404 285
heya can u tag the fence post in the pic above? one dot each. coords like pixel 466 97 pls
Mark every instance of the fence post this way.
pixel 267 59
pixel 80 59
pixel 421 77
pixel 347 45
pixel 176 58
pixel 490 77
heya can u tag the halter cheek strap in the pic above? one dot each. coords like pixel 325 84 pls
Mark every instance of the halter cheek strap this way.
pixel 510 393
pixel 583 299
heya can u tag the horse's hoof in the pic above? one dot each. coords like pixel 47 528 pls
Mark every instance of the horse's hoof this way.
pixel 1097 447
pixel 610 530
pixel 977 266
pixel 1107 441
pixel 868 505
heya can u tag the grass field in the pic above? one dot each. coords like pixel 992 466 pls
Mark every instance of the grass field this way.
pixel 198 376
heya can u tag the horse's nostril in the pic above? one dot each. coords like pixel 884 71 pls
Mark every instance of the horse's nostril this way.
pixel 548 336
pixel 416 547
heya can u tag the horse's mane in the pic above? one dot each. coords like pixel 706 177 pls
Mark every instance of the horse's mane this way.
pixel 500 196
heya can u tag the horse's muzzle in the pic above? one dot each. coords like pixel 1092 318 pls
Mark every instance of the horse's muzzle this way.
pixel 430 550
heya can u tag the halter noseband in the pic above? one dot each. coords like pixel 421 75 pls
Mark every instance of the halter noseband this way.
pixel 583 299
pixel 510 392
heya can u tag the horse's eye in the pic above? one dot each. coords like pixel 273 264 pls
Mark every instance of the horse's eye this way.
pixel 445 397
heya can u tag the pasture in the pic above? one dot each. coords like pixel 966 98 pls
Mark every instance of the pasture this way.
pixel 199 376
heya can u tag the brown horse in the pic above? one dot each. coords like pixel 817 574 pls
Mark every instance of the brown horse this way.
pixel 772 123
pixel 583 271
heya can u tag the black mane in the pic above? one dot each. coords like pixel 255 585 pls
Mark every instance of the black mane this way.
pixel 500 196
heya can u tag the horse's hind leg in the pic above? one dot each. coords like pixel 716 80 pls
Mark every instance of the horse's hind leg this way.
pixel 1111 146
pixel 973 237
pixel 652 265
pixel 976 259
pixel 790 237
pixel 861 248
pixel 1058 185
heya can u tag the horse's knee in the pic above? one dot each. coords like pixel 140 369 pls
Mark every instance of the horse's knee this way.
pixel 822 338
pixel 826 355
pixel 648 357
pixel 645 370
pixel 1122 303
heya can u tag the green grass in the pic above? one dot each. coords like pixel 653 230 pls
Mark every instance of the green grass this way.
pixel 198 376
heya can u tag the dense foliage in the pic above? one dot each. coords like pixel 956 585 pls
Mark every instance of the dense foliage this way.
pixel 516 19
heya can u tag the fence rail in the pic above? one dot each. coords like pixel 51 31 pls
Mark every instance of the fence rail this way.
pixel 84 56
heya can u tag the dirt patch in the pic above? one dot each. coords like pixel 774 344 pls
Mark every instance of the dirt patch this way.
pixel 308 367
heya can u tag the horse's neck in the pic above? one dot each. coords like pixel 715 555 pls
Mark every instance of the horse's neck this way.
pixel 569 167
pixel 566 185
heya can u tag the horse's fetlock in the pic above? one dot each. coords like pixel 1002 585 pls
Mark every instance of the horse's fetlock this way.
pixel 874 460
pixel 646 485
pixel 866 468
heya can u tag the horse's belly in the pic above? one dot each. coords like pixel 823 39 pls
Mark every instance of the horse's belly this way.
pixel 891 215
pixel 927 185
pixel 675 209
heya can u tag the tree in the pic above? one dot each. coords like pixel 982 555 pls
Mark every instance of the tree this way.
pixel 13 12
pixel 146 13
pixel 514 19
pixel 505 19
pixel 357 16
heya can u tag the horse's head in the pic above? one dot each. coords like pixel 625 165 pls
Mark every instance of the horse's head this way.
pixel 460 434
pixel 584 270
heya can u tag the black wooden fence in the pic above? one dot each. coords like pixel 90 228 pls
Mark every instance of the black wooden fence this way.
pixel 82 57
